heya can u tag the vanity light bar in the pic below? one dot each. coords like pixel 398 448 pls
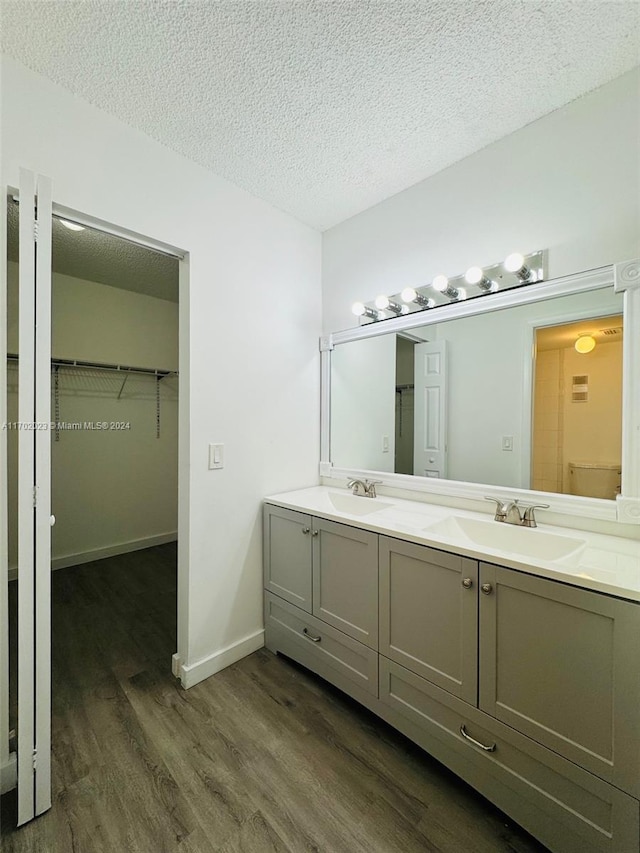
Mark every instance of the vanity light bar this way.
pixel 514 271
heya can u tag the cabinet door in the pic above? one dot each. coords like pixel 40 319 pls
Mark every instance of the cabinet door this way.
pixel 287 555
pixel 345 579
pixel 560 664
pixel 429 614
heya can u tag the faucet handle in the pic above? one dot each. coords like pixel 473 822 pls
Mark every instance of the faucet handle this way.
pixel 500 504
pixel 528 516
pixel 502 507
pixel 370 487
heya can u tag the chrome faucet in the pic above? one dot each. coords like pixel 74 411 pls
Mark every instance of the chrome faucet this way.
pixel 513 512
pixel 364 488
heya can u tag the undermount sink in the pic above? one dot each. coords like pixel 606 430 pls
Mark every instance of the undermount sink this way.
pixel 534 543
pixel 356 505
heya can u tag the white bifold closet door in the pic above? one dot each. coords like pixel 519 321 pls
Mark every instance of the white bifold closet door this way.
pixel 34 498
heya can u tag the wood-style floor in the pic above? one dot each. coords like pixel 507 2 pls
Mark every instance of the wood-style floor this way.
pixel 262 757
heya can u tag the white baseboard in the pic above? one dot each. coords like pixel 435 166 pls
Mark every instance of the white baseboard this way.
pixel 103 553
pixel 9 774
pixel 194 673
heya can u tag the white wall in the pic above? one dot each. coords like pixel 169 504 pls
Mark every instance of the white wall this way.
pixel 569 182
pixel 363 380
pixel 253 302
pixel 117 489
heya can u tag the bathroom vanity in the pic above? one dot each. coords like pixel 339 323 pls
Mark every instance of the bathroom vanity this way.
pixel 510 655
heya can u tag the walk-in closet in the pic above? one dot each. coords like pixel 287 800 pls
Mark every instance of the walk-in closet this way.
pixel 114 477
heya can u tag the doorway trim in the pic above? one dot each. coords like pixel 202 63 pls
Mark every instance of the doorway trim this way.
pixel 8 775
pixel 184 446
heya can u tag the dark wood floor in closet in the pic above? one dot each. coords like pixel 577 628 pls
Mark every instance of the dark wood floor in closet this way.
pixel 262 757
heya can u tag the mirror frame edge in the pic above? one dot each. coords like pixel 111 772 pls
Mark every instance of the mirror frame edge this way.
pixel 625 279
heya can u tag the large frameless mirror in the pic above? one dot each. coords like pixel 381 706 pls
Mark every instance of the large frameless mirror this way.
pixel 525 394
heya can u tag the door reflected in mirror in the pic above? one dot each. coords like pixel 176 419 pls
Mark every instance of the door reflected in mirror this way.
pixel 489 398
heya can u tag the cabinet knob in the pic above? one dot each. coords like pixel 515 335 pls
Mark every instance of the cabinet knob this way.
pixel 305 529
pixel 314 532
pixel 467 583
pixel 487 588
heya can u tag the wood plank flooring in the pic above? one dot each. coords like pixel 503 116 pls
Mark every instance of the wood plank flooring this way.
pixel 262 757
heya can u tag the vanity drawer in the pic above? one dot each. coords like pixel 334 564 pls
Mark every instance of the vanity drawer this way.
pixel 567 808
pixel 350 665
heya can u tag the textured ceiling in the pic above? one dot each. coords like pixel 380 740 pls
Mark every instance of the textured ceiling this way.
pixel 325 107
pixel 100 257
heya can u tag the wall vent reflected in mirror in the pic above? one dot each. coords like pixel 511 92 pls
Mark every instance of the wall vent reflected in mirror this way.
pixel 580 389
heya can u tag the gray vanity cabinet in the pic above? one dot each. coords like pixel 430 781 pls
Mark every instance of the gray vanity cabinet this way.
pixel 345 579
pixel 526 687
pixel 321 598
pixel 325 568
pixel 560 665
pixel 287 555
pixel 429 614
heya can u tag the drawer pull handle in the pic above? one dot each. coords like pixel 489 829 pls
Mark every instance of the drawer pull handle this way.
pixel 487 588
pixel 306 529
pixel 313 639
pixel 467 583
pixel 475 742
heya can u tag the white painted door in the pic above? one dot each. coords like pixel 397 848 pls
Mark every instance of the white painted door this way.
pixel 430 409
pixel 34 499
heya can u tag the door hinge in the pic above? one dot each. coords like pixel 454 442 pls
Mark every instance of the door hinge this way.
pixel 35 496
pixel 35 231
pixel 35 760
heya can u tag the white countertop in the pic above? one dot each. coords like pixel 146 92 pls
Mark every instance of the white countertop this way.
pixel 594 561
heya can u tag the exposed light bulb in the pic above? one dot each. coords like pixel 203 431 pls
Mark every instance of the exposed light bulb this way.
pixel 474 275
pixel 361 310
pixel 515 263
pixel 585 344
pixel 410 294
pixel 383 303
pixel 441 284
pixel 72 226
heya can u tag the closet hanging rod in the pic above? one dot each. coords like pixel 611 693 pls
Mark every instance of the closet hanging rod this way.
pixel 96 365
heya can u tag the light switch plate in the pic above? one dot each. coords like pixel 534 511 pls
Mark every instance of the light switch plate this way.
pixel 216 456
pixel 507 442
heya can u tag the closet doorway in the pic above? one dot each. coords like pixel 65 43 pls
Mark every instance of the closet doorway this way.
pixel 115 306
